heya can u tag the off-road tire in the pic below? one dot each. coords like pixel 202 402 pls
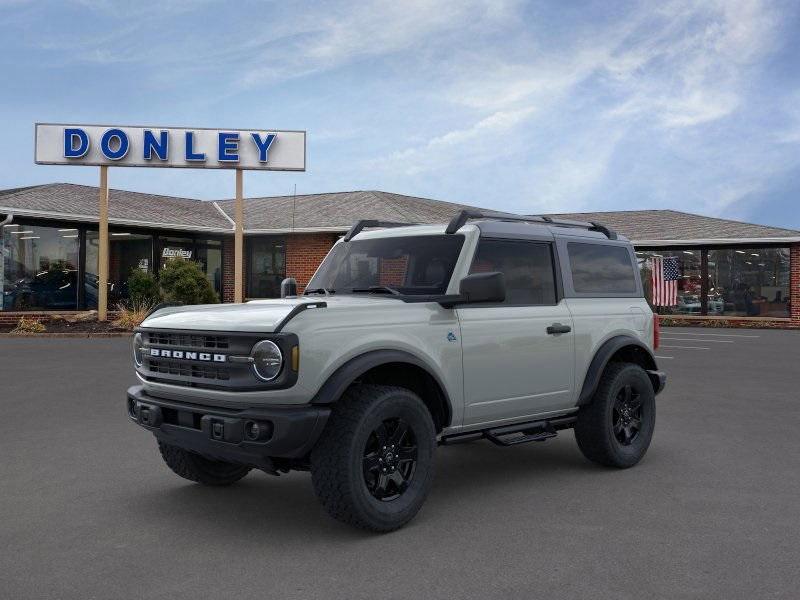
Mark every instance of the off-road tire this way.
pixel 337 461
pixel 594 430
pixel 197 468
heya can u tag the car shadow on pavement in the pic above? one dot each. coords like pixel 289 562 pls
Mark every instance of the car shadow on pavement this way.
pixel 284 507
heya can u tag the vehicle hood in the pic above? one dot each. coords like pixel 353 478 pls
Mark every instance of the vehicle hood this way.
pixel 256 315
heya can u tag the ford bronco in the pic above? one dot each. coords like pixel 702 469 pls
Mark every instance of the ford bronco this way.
pixel 508 329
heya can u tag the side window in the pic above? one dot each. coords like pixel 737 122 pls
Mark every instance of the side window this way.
pixel 527 266
pixel 601 269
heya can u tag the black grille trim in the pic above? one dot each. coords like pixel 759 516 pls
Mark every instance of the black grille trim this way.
pixel 212 374
pixel 188 340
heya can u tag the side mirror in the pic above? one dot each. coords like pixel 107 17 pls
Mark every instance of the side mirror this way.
pixel 288 287
pixel 483 287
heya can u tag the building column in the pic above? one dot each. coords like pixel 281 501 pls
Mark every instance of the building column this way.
pixel 228 270
pixel 794 283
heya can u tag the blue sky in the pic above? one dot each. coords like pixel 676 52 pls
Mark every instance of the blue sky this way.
pixel 524 106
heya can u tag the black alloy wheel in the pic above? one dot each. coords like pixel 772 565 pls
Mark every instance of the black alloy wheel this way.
pixel 390 459
pixel 627 415
pixel 615 428
pixel 373 465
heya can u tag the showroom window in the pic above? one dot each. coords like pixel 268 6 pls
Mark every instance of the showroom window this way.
pixel 128 251
pixel 266 266
pixel 687 297
pixel 735 282
pixel 39 267
pixel 206 252
pixel 749 282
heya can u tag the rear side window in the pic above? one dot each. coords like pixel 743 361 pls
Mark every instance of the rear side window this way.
pixel 601 269
pixel 527 267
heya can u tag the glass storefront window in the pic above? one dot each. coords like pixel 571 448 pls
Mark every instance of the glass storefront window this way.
pixel 748 282
pixel 127 252
pixel 266 267
pixel 39 268
pixel 209 255
pixel 689 283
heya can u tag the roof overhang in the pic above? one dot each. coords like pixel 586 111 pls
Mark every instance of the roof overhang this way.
pixel 126 222
pixel 718 241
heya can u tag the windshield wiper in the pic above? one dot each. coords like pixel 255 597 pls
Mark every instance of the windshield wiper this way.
pixel 377 289
pixel 321 290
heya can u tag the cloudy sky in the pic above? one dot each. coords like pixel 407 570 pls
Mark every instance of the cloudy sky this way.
pixel 525 106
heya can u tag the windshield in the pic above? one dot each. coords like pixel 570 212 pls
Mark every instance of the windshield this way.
pixel 420 264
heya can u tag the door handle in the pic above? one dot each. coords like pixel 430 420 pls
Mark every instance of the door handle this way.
pixel 556 328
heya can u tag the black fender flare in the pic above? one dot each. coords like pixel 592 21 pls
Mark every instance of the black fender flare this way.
pixel 598 365
pixel 345 375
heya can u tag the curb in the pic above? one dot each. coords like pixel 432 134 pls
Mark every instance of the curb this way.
pixel 119 334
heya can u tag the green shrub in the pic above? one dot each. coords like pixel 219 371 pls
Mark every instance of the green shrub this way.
pixel 143 288
pixel 184 281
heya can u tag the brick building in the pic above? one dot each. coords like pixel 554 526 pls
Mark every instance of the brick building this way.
pixel 738 272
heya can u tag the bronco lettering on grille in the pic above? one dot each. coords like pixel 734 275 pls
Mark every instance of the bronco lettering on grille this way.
pixel 180 354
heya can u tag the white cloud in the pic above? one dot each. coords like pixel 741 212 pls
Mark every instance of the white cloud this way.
pixel 476 143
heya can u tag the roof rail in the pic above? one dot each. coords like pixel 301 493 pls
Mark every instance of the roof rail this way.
pixel 463 216
pixel 359 225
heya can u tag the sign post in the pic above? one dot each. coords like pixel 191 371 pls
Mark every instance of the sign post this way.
pixel 175 147
pixel 103 253
pixel 239 239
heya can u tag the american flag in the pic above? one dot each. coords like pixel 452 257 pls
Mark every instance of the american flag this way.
pixel 665 280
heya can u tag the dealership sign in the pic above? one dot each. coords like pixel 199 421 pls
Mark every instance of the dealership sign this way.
pixel 193 148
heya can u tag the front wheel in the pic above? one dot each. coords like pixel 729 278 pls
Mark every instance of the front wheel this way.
pixel 615 429
pixel 373 465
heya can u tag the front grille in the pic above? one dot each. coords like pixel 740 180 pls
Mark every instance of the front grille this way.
pixel 203 361
pixel 188 340
pixel 191 370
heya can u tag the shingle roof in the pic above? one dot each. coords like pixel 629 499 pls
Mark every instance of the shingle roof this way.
pixel 339 210
pixel 80 202
pixel 672 225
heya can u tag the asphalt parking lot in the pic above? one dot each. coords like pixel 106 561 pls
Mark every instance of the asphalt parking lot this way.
pixel 88 510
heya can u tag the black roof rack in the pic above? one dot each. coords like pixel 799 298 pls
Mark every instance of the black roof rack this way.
pixel 359 225
pixel 463 216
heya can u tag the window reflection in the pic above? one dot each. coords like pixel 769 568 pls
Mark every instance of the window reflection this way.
pixel 128 252
pixel 741 282
pixel 748 282
pixel 687 300
pixel 39 268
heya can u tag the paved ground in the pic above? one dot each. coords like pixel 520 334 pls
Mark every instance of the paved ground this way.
pixel 87 509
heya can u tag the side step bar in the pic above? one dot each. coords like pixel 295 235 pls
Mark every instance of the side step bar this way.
pixel 518 433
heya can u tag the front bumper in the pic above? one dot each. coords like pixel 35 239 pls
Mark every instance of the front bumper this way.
pixel 222 433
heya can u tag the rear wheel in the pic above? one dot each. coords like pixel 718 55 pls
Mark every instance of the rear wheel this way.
pixel 373 465
pixel 197 468
pixel 615 429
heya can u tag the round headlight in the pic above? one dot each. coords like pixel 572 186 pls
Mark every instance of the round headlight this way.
pixel 138 345
pixel 267 360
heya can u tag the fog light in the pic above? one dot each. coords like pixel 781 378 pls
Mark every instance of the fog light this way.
pixel 252 430
pixel 258 431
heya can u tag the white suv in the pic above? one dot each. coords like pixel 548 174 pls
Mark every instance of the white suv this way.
pixel 500 328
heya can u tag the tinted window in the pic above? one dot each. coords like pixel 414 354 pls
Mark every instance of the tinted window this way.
pixel 527 267
pixel 601 269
